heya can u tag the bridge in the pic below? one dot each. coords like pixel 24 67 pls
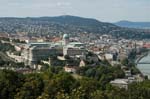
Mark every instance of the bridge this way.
pixel 143 62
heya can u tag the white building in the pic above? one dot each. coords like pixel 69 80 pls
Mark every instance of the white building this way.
pixel 73 48
pixel 70 69
pixel 34 52
pixel 121 83
pixel 39 51
pixel 109 56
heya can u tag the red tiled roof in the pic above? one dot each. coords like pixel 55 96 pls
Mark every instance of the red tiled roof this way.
pixel 146 45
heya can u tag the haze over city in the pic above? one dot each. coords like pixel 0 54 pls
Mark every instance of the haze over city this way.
pixel 103 10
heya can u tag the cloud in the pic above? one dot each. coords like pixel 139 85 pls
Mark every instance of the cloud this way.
pixel 63 3
pixel 33 4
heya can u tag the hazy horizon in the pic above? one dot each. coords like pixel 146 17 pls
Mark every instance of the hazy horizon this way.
pixel 102 10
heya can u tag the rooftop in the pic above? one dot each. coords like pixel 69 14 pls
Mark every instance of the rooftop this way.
pixel 119 81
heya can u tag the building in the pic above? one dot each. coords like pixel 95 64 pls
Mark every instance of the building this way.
pixel 109 56
pixel 82 63
pixel 74 48
pixel 70 69
pixel 121 83
pixel 35 52
pixel 65 39
pixel 74 51
pixel 128 73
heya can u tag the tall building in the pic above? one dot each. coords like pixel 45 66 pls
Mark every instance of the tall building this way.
pixel 65 39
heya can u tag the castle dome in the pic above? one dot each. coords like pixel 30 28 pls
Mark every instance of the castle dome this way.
pixel 65 36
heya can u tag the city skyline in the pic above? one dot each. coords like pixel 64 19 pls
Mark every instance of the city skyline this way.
pixel 102 10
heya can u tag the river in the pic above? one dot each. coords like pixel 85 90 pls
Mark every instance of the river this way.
pixel 145 68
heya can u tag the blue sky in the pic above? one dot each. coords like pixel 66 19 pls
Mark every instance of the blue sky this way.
pixel 103 10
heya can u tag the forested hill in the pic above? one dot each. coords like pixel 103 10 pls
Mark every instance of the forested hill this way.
pixel 66 24
pixel 74 20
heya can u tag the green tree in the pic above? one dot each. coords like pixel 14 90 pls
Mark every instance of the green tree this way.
pixel 31 88
pixel 10 82
pixel 62 83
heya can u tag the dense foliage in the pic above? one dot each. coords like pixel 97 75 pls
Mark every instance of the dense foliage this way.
pixel 61 85
pixel 103 74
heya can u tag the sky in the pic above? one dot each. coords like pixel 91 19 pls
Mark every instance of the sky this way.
pixel 102 10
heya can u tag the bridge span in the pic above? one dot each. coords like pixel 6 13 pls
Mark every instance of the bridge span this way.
pixel 144 63
pixel 138 61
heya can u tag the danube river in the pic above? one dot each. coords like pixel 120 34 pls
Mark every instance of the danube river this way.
pixel 145 68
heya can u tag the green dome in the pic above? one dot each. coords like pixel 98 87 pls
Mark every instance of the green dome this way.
pixel 65 36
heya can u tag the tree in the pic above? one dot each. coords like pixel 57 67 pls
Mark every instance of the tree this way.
pixel 62 83
pixel 9 83
pixel 125 62
pixel 31 88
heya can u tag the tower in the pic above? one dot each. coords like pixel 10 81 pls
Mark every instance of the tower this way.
pixel 65 39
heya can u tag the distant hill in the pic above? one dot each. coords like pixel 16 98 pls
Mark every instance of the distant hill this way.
pixel 74 20
pixel 142 25
pixel 66 24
